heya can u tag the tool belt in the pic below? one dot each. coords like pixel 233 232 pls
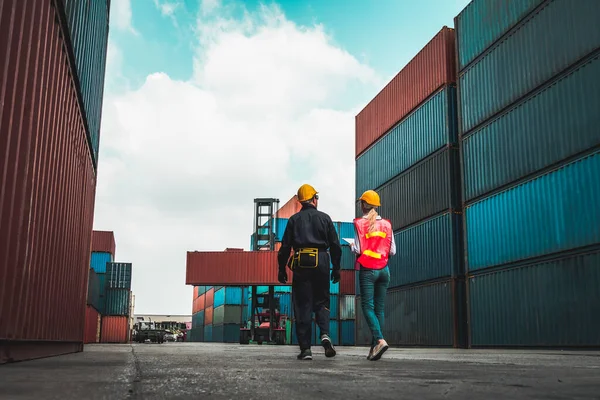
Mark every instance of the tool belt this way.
pixel 305 258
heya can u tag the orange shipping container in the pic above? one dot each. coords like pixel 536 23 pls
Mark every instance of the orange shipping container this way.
pixel 433 67
pixel 208 316
pixel 92 325
pixel 104 242
pixel 115 330
pixel 209 298
pixel 232 268
pixel 201 302
pixel 290 208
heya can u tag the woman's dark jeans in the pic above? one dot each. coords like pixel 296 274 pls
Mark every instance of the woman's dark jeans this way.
pixel 373 288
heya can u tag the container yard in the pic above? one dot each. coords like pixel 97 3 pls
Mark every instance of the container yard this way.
pixel 484 149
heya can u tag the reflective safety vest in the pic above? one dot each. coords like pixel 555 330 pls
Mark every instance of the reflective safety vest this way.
pixel 374 246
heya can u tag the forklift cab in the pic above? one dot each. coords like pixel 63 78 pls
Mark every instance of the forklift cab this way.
pixel 266 311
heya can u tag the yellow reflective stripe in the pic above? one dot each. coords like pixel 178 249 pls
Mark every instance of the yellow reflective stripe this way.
pixel 371 254
pixel 375 234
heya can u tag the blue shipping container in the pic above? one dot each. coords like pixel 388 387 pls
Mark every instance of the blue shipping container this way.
pixel 314 334
pixel 555 37
pixel 425 131
pixel 285 304
pixel 552 213
pixel 195 335
pixel 198 319
pixel 553 303
pixel 98 261
pixel 229 295
pixel 228 333
pixel 427 251
pixel 420 315
pixel 554 123
pixel 208 333
pixel 201 290
pixel 363 337
pixel 119 275
pixel 348 257
pixel 117 302
pixel 334 332
pixel 347 330
pixel 483 22
pixel 334 306
pixel 87 22
pixel 344 230
pixel 334 288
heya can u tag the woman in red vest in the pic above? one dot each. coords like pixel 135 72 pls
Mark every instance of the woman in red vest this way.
pixel 374 243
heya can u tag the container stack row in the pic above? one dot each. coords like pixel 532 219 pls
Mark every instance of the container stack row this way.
pixel 529 101
pixel 110 300
pixel 407 151
pixel 44 142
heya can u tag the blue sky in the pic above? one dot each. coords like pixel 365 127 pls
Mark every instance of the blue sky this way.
pixel 210 104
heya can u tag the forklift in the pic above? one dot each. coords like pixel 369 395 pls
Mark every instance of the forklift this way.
pixel 265 308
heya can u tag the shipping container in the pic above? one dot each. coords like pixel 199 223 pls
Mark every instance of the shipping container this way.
pixel 347 307
pixel 315 334
pixel 92 326
pixel 208 333
pixel 429 250
pixel 196 334
pixel 228 295
pixel 344 230
pixel 247 268
pixel 557 35
pixel 102 288
pixel 334 332
pixel 428 129
pixel 104 242
pixel 195 295
pixel 554 123
pixel 363 335
pixel 208 315
pixel 290 208
pixel 334 288
pixel 119 275
pixel 227 314
pixel 202 290
pixel 117 302
pixel 285 304
pixel 202 302
pixel 334 306
pixel 550 303
pixel 554 212
pixel 347 333
pixel 93 293
pixel 483 22
pixel 47 189
pixel 234 249
pixel 98 261
pixel 87 27
pixel 426 189
pixel 426 315
pixel 198 319
pixel 209 298
pixel 228 333
pixel 347 282
pixel 115 329
pixel 433 67
pixel 348 257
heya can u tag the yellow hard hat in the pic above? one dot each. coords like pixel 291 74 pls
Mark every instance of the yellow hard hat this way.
pixel 306 192
pixel 371 198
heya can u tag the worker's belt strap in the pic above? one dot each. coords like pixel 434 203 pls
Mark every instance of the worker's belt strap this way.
pixel 372 254
pixel 376 234
pixel 306 258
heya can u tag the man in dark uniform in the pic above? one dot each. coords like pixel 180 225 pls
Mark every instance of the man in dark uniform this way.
pixel 310 233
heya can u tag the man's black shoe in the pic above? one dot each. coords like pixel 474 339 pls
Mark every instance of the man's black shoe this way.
pixel 305 355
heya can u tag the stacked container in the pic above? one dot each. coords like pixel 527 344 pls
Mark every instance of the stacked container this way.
pixel 227 314
pixel 103 253
pixel 407 151
pixel 48 180
pixel 196 333
pixel 209 298
pixel 529 95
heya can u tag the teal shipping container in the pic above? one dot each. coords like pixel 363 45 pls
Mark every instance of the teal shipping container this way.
pixel 119 275
pixel 229 295
pixel 93 294
pixel 347 333
pixel 208 333
pixel 363 335
pixel 554 303
pixel 195 335
pixel 117 302
pixel 552 213
pixel 228 333
pixel 198 319
pixel 227 314
pixel 98 261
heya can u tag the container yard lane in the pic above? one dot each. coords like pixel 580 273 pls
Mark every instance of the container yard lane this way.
pixel 222 371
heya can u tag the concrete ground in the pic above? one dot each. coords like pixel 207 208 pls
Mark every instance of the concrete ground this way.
pixel 220 371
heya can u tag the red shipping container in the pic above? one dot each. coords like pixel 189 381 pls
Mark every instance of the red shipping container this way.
pixel 234 249
pixel 428 71
pixel 201 302
pixel 115 330
pixel 195 292
pixel 233 268
pixel 92 325
pixel 290 208
pixel 47 187
pixel 104 242
pixel 347 282
pixel 208 316
pixel 209 297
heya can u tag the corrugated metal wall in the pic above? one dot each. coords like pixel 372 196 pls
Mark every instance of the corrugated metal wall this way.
pixel 47 187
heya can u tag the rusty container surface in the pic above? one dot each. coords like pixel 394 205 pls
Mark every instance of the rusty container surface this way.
pixel 233 268
pixel 115 329
pixel 104 242
pixel 92 326
pixel 47 188
pixel 433 67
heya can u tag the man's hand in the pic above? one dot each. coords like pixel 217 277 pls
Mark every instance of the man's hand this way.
pixel 282 277
pixel 335 276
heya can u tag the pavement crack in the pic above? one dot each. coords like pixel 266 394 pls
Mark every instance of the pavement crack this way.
pixel 137 377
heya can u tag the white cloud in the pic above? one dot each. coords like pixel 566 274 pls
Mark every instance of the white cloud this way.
pixel 181 162
pixel 121 15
